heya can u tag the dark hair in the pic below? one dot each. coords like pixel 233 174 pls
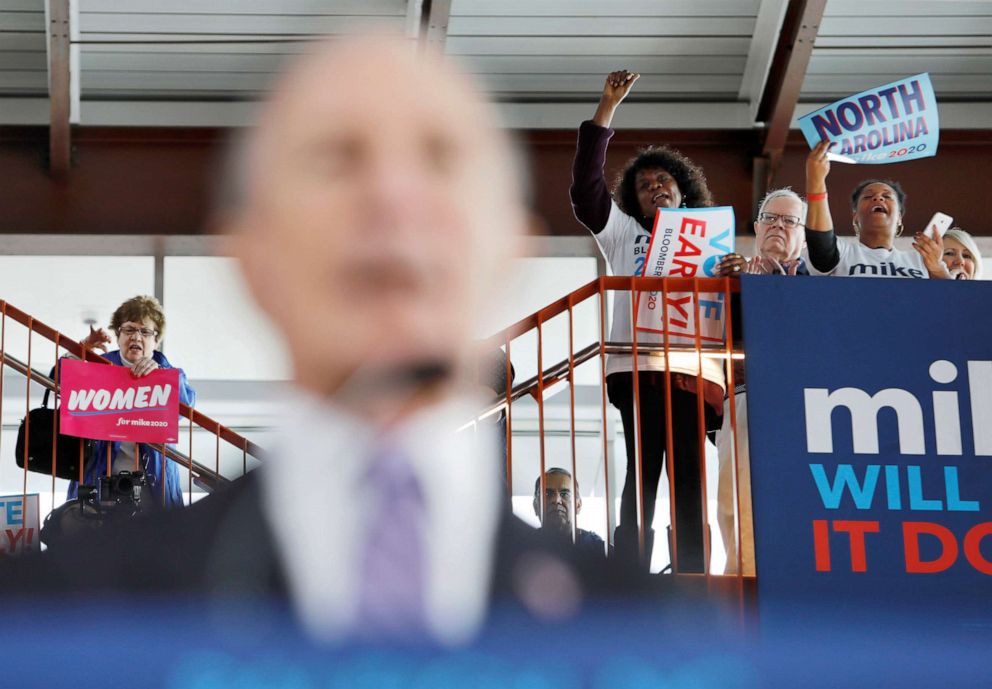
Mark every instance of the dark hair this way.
pixel 688 175
pixel 550 472
pixel 896 187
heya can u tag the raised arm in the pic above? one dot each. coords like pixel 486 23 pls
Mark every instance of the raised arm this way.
pixel 821 241
pixel 616 88
pixel 589 193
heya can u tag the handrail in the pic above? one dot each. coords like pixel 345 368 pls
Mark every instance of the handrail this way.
pixel 601 284
pixel 86 354
pixel 712 357
pixel 559 371
pixel 203 475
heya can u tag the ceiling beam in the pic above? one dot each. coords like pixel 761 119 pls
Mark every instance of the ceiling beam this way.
pixel 767 28
pixel 59 87
pixel 435 28
pixel 414 18
pixel 785 80
pixel 684 115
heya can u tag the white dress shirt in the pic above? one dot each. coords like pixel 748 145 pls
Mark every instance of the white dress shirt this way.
pixel 319 509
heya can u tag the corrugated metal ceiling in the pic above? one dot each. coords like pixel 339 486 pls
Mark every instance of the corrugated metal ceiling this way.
pixel 714 53
pixel 864 44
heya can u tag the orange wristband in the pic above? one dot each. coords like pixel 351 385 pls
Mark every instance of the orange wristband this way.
pixel 822 196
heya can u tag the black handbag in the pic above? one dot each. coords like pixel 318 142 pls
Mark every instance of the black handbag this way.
pixel 43 423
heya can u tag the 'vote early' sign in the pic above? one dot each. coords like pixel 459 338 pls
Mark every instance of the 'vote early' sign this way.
pixel 886 124
pixel 108 403
pixel 686 243
pixel 19 522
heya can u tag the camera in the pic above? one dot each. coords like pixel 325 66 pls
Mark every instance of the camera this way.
pixel 121 490
pixel 114 497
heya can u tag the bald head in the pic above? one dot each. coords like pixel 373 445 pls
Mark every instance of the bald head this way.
pixel 380 205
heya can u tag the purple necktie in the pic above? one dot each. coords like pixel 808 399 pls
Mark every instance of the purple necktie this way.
pixel 392 584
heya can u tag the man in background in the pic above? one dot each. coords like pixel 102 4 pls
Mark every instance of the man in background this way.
pixel 561 507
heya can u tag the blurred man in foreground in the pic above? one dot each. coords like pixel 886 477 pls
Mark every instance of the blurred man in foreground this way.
pixel 372 210
pixel 374 222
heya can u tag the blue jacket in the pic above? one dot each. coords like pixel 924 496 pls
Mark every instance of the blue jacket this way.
pixel 151 459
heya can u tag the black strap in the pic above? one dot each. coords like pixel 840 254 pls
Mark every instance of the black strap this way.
pixel 44 400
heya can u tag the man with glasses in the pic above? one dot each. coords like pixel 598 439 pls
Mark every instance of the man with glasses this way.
pixel 779 239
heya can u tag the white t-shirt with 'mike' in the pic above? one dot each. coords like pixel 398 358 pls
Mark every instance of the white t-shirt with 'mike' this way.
pixel 858 260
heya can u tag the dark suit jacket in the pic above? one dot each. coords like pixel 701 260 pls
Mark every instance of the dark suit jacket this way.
pixel 222 548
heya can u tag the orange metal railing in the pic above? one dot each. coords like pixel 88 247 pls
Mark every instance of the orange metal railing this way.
pixel 563 371
pixel 537 386
pixel 201 471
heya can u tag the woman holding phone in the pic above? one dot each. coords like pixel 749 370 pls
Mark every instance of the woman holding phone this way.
pixel 961 255
pixel 878 206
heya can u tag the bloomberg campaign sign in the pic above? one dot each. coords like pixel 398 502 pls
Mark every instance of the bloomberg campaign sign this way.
pixel 870 426
pixel 108 403
pixel 886 124
pixel 685 243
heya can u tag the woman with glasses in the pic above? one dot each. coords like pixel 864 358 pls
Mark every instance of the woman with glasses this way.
pixel 878 207
pixel 139 324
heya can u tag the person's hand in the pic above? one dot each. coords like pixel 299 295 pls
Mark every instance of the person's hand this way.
pixel 616 88
pixel 791 267
pixel 731 265
pixel 767 265
pixel 932 251
pixel 618 85
pixel 762 265
pixel 143 367
pixel 817 168
pixel 97 339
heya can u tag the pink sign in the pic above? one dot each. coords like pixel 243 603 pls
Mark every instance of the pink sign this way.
pixel 108 403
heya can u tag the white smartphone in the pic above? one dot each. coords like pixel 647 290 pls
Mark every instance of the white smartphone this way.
pixel 837 157
pixel 940 223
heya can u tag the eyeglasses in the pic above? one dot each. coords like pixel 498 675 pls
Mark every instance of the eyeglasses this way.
pixel 788 221
pixel 128 331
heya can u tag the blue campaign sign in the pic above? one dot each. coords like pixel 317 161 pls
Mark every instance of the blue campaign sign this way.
pixel 886 124
pixel 870 425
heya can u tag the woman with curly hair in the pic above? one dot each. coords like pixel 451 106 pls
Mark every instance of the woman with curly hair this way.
pixel 657 177
pixel 138 324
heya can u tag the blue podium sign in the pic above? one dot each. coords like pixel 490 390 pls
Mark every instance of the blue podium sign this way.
pixel 870 422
